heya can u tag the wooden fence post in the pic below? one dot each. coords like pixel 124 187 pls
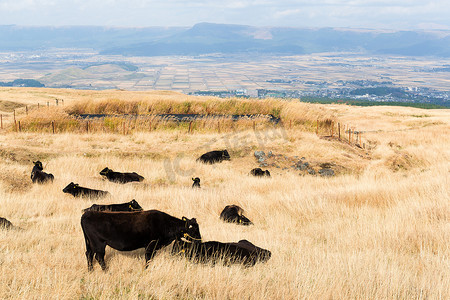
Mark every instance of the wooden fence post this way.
pixel 87 126
pixel 53 127
pixel 38 105
pixel 26 109
pixel 339 130
pixel 48 104
pixel 1 121
pixel 20 129
pixel 56 100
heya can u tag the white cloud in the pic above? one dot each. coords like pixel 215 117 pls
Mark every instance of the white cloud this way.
pixel 298 13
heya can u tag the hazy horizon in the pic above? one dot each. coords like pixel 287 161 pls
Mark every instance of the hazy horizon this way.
pixel 373 14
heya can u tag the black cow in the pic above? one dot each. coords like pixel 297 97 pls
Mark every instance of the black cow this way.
pixel 242 252
pixel 4 223
pixel 196 183
pixel 127 231
pixel 39 176
pixel 233 214
pixel 128 206
pixel 78 191
pixel 214 157
pixel 120 177
pixel 259 172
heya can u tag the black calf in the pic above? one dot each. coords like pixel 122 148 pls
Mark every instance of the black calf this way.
pixel 39 176
pixel 196 183
pixel 242 252
pixel 120 177
pixel 78 191
pixel 259 172
pixel 214 157
pixel 233 214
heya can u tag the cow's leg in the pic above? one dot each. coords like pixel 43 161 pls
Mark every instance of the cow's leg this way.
pixel 100 257
pixel 150 251
pixel 99 250
pixel 89 257
pixel 154 246
pixel 89 253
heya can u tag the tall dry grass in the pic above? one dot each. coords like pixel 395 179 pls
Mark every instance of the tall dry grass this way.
pixel 380 230
pixel 146 105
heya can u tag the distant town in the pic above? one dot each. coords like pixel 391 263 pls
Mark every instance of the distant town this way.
pixel 322 77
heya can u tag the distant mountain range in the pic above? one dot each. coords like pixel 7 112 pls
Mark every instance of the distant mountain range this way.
pixel 206 38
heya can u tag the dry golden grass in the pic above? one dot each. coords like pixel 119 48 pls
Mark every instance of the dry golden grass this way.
pixel 380 230
pixel 36 110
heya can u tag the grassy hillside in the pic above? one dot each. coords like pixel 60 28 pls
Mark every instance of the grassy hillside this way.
pixel 378 229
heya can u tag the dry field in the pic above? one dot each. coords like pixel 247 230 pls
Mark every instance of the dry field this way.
pixel 379 229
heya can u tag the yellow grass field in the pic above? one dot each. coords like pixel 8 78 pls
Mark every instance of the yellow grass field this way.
pixel 379 229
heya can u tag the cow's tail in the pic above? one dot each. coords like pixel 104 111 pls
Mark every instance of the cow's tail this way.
pixel 86 239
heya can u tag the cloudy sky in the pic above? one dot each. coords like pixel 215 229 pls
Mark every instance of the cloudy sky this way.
pixel 389 14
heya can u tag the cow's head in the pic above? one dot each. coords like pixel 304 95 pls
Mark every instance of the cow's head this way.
pixel 134 206
pixel 243 220
pixel 38 165
pixel 225 155
pixel 196 180
pixel 105 171
pixel 191 231
pixel 267 173
pixel 71 188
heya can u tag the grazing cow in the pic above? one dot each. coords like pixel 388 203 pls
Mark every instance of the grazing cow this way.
pixel 128 206
pixel 119 177
pixel 127 231
pixel 214 157
pixel 259 172
pixel 242 252
pixel 233 214
pixel 5 224
pixel 196 183
pixel 39 176
pixel 78 191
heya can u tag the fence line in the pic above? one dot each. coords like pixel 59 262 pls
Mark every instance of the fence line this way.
pixel 125 124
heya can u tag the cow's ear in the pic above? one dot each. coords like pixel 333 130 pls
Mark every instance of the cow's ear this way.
pixel 193 179
pixel 184 219
pixel 77 185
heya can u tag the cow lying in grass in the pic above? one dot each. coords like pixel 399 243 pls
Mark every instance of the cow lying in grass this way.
pixel 119 177
pixel 242 252
pixel 196 183
pixel 234 214
pixel 39 176
pixel 77 191
pixel 258 172
pixel 5 224
pixel 127 206
pixel 127 231
pixel 213 157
